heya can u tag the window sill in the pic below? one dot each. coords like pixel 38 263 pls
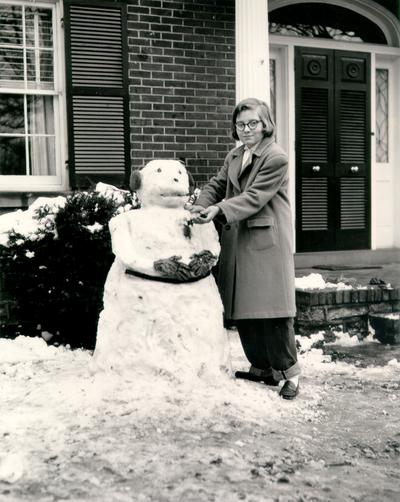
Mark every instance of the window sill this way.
pixel 16 184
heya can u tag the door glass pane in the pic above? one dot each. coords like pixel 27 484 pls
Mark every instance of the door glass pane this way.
pixel 12 156
pixel 382 113
pixel 12 114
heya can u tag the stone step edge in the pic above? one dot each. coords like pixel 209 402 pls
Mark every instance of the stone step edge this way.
pixel 333 296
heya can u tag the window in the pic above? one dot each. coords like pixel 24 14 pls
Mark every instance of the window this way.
pixel 29 104
pixel 321 20
pixel 272 87
pixel 382 115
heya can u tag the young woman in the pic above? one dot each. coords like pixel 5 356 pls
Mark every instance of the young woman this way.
pixel 256 268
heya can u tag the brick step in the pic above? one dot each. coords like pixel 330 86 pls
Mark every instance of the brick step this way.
pixel 351 309
pixel 334 296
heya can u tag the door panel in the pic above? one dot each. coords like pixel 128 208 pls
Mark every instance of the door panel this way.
pixel 332 150
pixel 352 139
pixel 314 148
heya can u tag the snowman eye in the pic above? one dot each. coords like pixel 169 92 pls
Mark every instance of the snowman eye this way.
pixel 180 172
pixel 159 170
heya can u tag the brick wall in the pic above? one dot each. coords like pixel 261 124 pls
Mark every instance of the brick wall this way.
pixel 182 81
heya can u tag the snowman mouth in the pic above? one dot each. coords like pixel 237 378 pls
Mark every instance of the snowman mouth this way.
pixel 173 194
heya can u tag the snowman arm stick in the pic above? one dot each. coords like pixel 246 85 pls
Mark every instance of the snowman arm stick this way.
pixel 126 246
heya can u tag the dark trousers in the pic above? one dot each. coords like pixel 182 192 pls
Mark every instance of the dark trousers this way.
pixel 270 346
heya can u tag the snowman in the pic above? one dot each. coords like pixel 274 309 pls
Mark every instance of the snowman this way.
pixel 162 309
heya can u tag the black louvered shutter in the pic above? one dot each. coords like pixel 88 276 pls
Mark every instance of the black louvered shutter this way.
pixel 314 149
pixel 97 92
pixel 353 139
pixel 332 150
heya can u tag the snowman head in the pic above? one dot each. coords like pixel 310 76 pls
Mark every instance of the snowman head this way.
pixel 161 183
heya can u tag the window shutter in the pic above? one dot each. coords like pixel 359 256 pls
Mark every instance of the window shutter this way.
pixel 97 92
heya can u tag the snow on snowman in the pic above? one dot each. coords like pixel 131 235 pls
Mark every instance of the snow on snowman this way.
pixel 162 309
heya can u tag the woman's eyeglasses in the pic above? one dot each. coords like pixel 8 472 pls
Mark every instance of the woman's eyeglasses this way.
pixel 241 126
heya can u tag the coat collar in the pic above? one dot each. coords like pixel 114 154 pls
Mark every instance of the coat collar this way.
pixel 236 163
pixel 262 146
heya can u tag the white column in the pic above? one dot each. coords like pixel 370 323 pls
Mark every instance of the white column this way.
pixel 252 50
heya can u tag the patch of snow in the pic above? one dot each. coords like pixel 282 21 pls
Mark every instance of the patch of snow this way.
pixel 345 339
pixel 24 348
pixel 25 222
pixel 11 467
pixel 96 227
pixel 316 281
pixel 393 315
pixel 370 338
pixel 306 342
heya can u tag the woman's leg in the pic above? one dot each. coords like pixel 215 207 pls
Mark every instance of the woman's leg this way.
pixel 251 336
pixel 280 345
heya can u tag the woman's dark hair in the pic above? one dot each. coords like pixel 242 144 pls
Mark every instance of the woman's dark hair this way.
pixel 263 111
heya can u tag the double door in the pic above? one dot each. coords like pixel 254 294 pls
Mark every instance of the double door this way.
pixel 333 160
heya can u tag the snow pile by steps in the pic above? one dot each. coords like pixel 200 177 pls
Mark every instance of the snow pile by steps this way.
pixel 316 281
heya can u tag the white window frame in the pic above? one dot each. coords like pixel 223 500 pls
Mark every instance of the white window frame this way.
pixel 58 181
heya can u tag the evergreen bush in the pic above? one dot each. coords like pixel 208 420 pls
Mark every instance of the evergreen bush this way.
pixel 56 274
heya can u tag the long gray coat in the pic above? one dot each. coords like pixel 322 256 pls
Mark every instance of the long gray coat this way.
pixel 256 268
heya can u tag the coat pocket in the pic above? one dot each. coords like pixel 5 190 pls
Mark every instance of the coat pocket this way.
pixel 262 232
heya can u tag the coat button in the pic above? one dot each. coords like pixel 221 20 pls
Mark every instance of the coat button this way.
pixel 227 227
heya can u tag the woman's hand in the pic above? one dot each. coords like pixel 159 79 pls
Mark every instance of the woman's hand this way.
pixel 193 208
pixel 206 215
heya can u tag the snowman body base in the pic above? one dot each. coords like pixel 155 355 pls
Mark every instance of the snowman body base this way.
pixel 148 325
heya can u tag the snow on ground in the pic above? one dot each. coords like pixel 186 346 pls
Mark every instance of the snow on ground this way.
pixel 47 392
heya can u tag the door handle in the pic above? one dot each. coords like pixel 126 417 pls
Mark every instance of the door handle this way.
pixel 316 169
pixel 354 169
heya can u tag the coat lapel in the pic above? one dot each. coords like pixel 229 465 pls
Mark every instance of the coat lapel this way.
pixel 235 167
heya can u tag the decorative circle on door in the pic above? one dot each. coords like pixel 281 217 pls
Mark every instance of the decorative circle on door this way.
pixel 314 67
pixel 353 70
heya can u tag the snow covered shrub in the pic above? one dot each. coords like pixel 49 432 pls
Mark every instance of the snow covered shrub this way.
pixel 56 272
